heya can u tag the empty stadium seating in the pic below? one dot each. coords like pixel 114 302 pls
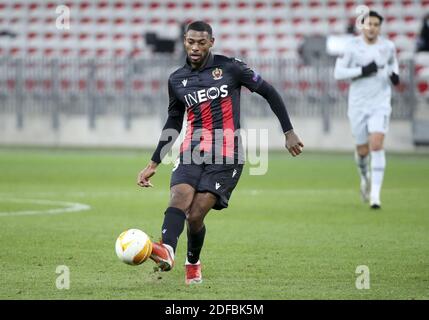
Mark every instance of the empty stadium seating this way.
pixel 114 27
pixel 247 28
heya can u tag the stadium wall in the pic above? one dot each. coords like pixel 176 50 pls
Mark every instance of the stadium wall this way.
pixel 144 132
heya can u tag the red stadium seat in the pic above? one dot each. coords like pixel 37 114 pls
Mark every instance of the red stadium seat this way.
pixel 154 5
pixel 119 21
pixel 242 4
pixel 282 51
pixel 137 5
pixel 303 85
pixel 314 4
pixel 32 35
pixel 155 85
pixel 32 51
pixel 390 19
pixel 30 84
pixel 33 6
pixel 119 5
pixel 224 5
pixel 350 4
pixel 423 87
pixel 15 51
pixel 65 84
pixel 83 84
pixel 119 52
pixel 102 4
pixel 86 20
pixel 418 68
pixel 100 85
pixel 260 5
pixel 50 5
pixel 100 36
pixel 11 84
pixel 409 18
pixel 343 86
pixel 66 51
pixel 138 85
pixel 101 52
pixel 119 84
pixel 412 35
pixel 295 4
pixel 84 5
pixel 287 85
pixel 187 5
pixel 387 3
pixel 17 6
pixel 47 52
pixel 84 52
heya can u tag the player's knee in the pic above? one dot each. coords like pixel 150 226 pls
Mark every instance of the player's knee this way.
pixel 195 218
pixel 181 198
pixel 363 150
pixel 376 145
pixel 363 153
pixel 195 222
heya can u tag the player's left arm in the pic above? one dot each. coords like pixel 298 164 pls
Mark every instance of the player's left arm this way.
pixel 393 66
pixel 293 142
pixel 253 81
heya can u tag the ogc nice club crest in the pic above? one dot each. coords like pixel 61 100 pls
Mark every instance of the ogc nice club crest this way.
pixel 217 74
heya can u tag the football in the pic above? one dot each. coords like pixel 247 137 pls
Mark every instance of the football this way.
pixel 133 247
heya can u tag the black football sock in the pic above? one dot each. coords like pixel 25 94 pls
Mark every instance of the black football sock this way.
pixel 172 228
pixel 195 244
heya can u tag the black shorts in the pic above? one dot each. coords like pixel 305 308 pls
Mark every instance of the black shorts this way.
pixel 219 179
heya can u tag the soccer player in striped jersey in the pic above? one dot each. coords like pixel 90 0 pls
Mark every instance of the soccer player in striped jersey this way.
pixel 370 62
pixel 207 88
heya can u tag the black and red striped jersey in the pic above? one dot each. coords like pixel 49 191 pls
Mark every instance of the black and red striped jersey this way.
pixel 211 98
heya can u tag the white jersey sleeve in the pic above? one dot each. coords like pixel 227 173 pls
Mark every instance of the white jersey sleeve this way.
pixel 392 62
pixel 343 65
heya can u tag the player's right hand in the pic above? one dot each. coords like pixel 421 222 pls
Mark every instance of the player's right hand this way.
pixel 145 174
pixel 369 69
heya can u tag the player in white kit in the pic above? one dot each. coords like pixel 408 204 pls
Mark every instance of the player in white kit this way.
pixel 369 61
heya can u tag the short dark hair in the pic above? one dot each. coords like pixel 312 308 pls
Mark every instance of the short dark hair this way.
pixel 373 13
pixel 200 26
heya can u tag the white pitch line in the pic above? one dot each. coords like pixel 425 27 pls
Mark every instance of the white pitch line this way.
pixel 68 207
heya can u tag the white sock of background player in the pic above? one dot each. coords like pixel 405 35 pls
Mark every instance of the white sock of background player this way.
pixel 378 164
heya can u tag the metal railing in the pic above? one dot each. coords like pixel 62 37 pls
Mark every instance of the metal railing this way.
pixel 133 88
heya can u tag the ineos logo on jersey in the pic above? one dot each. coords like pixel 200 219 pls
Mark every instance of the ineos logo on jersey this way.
pixel 206 94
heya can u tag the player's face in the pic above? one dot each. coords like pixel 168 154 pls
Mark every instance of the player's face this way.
pixel 371 33
pixel 197 46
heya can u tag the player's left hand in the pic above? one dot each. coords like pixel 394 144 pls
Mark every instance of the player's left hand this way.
pixel 394 78
pixel 293 143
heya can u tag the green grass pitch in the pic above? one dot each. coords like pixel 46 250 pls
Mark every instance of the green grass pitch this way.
pixel 298 232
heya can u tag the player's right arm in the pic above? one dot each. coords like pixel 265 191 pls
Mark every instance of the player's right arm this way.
pixel 344 70
pixel 170 132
